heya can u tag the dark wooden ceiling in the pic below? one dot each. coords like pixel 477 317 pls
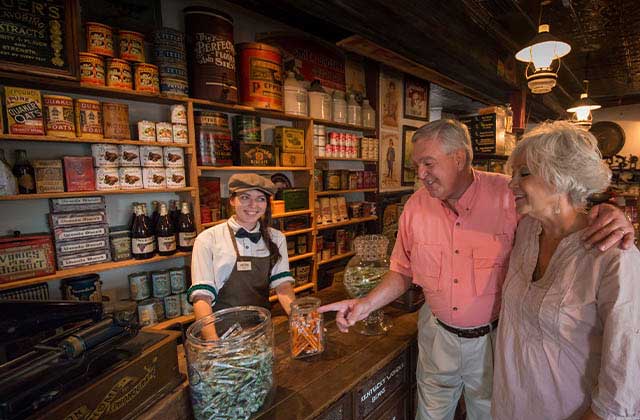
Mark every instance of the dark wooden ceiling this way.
pixel 465 39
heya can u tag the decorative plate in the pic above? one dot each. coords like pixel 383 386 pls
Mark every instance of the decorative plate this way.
pixel 610 137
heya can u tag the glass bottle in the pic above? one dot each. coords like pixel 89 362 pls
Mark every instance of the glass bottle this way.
pixel 339 107
pixel 306 328
pixel 295 96
pixel 133 215
pixel 319 102
pixel 143 244
pixel 24 173
pixel 174 214
pixel 8 182
pixel 165 233
pixel 508 122
pixel 368 114
pixel 354 111
pixel 186 229
pixel 155 214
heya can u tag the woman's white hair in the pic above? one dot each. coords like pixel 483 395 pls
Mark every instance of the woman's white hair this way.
pixel 566 157
pixel 452 134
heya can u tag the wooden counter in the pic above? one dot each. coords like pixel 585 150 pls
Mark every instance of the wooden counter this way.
pixel 357 377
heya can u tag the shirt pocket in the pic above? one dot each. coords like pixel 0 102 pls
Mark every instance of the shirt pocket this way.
pixel 426 266
pixel 490 263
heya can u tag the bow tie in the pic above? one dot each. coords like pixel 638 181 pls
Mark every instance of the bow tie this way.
pixel 254 237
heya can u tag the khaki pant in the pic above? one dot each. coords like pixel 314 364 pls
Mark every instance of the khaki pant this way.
pixel 448 366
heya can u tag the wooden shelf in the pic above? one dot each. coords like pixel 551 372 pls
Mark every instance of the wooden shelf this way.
pixel 291 213
pixel 301 256
pixel 54 139
pixel 297 232
pixel 344 126
pixel 347 222
pixel 253 168
pixel 298 289
pixel 347 159
pixel 334 192
pixel 336 258
pixel 242 109
pixel 90 193
pixel 96 268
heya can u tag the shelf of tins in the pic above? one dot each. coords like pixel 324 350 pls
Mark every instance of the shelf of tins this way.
pixel 254 168
pixel 345 159
pixel 344 126
pixel 336 258
pixel 90 193
pixel 78 140
pixel 352 221
pixel 243 109
pixel 96 268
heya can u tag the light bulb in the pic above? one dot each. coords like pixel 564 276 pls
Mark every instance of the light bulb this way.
pixel 583 113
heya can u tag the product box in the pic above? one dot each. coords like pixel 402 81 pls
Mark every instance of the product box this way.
pixel 129 155
pixel 78 173
pixel 176 178
pixel 173 157
pixel 78 247
pixel 146 131
pixel 57 220
pixel 164 132
pixel 209 190
pixel 130 178
pixel 120 238
pixel 116 120
pixel 105 155
pixel 151 156
pixel 289 139
pixel 180 134
pixel 295 222
pixel 107 179
pixel 49 177
pixel 25 256
pixel 254 154
pixel 80 232
pixel 154 178
pixel 66 262
pixel 295 199
pixel 59 205
pixel 292 159
pixel 24 111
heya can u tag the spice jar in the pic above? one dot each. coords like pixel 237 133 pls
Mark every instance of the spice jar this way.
pixel 231 377
pixel 306 328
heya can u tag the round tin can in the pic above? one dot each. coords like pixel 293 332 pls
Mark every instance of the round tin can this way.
pixel 83 288
pixel 168 37
pixel 261 81
pixel 246 128
pixel 161 283
pixel 150 311
pixel 58 113
pixel 146 78
pixel 119 74
pixel 131 46
pixel 213 138
pixel 212 67
pixel 172 86
pixel 171 306
pixel 89 119
pixel 185 307
pixel 146 131
pixel 173 71
pixel 139 285
pixel 178 280
pixel 91 69
pixel 99 39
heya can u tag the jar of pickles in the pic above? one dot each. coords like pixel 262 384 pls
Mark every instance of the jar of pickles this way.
pixel 230 363
pixel 306 328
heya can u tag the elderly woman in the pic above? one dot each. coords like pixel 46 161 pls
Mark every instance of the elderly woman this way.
pixel 568 343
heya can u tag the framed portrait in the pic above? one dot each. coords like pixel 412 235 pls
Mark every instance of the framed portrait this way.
pixel 416 99
pixel 408 169
pixel 390 160
pixel 390 97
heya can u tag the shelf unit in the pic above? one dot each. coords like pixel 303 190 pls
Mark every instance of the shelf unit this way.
pixel 79 140
pixel 335 192
pixel 337 258
pixel 351 221
pixel 90 193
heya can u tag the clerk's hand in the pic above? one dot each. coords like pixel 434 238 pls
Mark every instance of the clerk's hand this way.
pixel 608 226
pixel 348 312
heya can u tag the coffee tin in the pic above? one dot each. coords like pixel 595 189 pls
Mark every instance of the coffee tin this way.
pixel 91 69
pixel 178 280
pixel 131 46
pixel 146 78
pixel 139 285
pixel 99 39
pixel 172 306
pixel 89 119
pixel 260 70
pixel 58 116
pixel 161 283
pixel 119 74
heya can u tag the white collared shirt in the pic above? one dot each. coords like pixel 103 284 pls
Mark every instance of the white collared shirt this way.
pixel 214 258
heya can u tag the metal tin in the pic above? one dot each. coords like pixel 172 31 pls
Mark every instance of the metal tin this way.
pixel 213 138
pixel 173 157
pixel 146 131
pixel 131 46
pixel 83 288
pixel 88 119
pixel 150 312
pixel 180 134
pixel 116 120
pixel 246 128
pixel 185 307
pixel 332 179
pixel 178 279
pixel 161 283
pixel 178 114
pixel 120 239
pixel 168 37
pixel 105 155
pixel 172 306
pixel 107 179
pixel 130 178
pixel 119 74
pixel 58 116
pixel 99 39
pixel 261 80
pixel 91 69
pixel 151 156
pixel 129 155
pixel 212 54
pixel 173 86
pixel 164 132
pixel 146 78
pixel 139 285
pixel 176 177
pixel 154 178
pixel 173 71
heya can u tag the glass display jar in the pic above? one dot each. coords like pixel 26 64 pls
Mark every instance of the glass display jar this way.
pixel 295 96
pixel 354 111
pixel 339 106
pixel 363 273
pixel 306 328
pixel 368 114
pixel 231 377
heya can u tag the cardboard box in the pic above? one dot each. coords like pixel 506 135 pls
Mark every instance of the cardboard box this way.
pixel 289 139
pixel 24 111
pixel 77 219
pixel 78 173
pixel 59 205
pixel 254 154
pixel 25 256
pixel 292 159
pixel 295 199
pixel 49 176
pixel 176 177
pixel 154 178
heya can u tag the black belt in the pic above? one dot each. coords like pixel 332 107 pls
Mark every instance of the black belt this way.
pixel 472 332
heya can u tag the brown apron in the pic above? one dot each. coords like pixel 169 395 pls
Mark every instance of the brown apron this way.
pixel 248 283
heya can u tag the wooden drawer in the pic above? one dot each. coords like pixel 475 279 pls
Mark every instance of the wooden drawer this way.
pixel 373 392
pixel 340 410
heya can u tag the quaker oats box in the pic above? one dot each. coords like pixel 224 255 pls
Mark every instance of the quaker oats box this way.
pixel 154 178
pixel 176 178
pixel 151 156
pixel 130 178
pixel 129 155
pixel 105 155
pixel 173 157
pixel 107 179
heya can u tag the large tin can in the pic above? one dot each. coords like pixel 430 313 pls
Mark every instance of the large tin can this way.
pixel 212 59
pixel 213 138
pixel 146 78
pixel 178 280
pixel 261 79
pixel 172 306
pixel 131 46
pixel 119 74
pixel 185 307
pixel 58 113
pixel 150 311
pixel 84 288
pixel 99 39
pixel 161 283
pixel 175 87
pixel 91 69
pixel 168 37
pixel 246 128
pixel 139 285
pixel 89 119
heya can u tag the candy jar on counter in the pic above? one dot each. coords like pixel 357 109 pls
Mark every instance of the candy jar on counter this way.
pixel 306 328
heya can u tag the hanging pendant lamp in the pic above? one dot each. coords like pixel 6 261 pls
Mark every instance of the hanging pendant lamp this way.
pixel 582 109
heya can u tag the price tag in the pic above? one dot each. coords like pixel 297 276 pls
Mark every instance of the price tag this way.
pixel 243 265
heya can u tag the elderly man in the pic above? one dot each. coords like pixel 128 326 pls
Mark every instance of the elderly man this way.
pixel 454 240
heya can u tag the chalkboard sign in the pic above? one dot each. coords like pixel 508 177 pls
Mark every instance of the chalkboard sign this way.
pixel 39 37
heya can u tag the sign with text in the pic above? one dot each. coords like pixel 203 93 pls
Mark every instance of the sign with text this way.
pixel 375 390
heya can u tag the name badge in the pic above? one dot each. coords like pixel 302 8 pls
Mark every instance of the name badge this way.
pixel 243 265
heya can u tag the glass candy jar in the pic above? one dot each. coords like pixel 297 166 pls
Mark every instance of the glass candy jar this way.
pixel 306 328
pixel 363 273
pixel 339 107
pixel 231 377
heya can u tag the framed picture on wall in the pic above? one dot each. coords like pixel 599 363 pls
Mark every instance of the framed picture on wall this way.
pixel 416 99
pixel 408 169
pixel 390 97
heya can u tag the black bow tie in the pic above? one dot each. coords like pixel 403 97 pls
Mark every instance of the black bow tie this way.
pixel 254 237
